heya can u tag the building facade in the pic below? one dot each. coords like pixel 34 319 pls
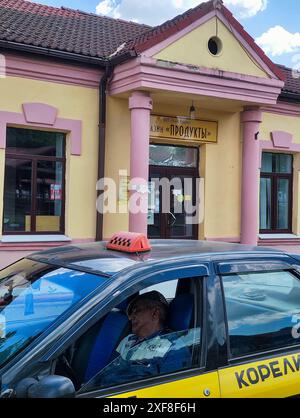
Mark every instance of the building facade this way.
pixel 84 97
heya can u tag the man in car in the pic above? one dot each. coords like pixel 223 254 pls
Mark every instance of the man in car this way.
pixel 152 349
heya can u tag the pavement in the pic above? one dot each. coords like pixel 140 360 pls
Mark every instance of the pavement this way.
pixel 9 257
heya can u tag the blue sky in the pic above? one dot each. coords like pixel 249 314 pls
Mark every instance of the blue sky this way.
pixel 273 23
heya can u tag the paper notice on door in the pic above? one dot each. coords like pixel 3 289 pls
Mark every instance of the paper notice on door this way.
pixel 151 217
pixel 177 192
pixel 55 192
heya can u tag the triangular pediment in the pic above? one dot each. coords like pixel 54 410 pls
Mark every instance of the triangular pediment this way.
pixel 193 49
pixel 185 39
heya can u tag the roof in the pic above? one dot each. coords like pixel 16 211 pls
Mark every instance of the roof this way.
pixel 95 258
pixel 64 29
pixel 292 83
pixel 90 35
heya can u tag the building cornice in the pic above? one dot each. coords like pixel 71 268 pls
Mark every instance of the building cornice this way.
pixel 52 71
pixel 151 74
pixel 283 109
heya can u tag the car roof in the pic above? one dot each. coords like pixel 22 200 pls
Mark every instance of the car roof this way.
pixel 97 259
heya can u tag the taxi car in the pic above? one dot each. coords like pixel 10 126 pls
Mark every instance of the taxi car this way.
pixel 235 308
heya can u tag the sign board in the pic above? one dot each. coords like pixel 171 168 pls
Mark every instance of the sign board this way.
pixel 183 129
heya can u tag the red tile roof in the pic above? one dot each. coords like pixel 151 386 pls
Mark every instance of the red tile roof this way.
pixel 292 81
pixel 64 29
pixel 91 35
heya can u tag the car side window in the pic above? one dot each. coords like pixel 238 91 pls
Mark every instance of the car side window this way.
pixel 168 289
pixel 263 311
pixel 174 348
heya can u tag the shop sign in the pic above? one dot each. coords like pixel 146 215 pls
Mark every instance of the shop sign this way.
pixel 184 129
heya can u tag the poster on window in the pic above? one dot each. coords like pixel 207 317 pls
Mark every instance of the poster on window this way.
pixel 56 192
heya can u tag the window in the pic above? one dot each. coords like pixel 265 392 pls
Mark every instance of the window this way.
pixel 32 297
pixel 263 310
pixel 113 352
pixel 276 193
pixel 34 182
pixel 173 156
pixel 215 45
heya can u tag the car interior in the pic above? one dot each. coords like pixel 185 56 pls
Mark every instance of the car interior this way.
pixel 95 349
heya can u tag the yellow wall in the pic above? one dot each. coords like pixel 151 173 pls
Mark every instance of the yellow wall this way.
pixel 219 165
pixel 81 174
pixel 117 157
pixel 223 180
pixel 192 49
pixel 272 122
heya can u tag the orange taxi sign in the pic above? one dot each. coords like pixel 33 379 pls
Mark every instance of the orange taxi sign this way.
pixel 129 242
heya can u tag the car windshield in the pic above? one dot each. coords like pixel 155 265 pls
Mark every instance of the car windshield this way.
pixel 32 296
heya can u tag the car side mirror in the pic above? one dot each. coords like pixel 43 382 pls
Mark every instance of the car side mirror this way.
pixel 48 387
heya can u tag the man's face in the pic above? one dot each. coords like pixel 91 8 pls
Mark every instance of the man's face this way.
pixel 144 320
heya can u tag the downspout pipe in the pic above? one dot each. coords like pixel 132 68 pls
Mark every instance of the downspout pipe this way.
pixel 109 69
pixel 102 141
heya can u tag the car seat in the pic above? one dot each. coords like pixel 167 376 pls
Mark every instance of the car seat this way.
pixel 97 346
pixel 181 312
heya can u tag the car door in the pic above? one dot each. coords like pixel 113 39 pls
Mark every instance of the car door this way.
pixel 182 288
pixel 262 307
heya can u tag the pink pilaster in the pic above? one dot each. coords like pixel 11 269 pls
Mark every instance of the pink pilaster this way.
pixel 251 119
pixel 140 105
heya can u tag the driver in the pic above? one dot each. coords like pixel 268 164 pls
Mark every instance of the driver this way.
pixel 149 350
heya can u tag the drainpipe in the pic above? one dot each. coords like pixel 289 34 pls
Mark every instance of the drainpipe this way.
pixel 110 66
pixel 102 137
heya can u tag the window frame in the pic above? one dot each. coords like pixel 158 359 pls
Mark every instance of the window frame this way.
pixel 168 271
pixel 264 353
pixel 34 160
pixel 275 177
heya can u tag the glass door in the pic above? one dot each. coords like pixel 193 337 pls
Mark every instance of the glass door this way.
pixel 173 178
pixel 276 193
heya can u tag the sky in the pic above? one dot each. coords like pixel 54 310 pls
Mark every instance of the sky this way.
pixel 274 24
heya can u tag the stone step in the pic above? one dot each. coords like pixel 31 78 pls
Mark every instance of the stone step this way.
pixel 38 246
pixel 276 242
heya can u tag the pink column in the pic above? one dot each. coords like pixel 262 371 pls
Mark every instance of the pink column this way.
pixel 140 105
pixel 251 119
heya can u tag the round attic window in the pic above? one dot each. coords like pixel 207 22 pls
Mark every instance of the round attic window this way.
pixel 215 46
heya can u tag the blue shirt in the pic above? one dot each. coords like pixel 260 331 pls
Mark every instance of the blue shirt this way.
pixel 137 359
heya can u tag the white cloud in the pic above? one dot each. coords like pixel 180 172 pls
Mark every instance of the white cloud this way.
pixel 155 12
pixel 106 7
pixel 278 41
pixel 246 8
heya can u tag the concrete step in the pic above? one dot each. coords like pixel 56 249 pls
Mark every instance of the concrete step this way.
pixel 276 242
pixel 38 246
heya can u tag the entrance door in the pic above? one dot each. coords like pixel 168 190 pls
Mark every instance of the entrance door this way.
pixel 173 197
pixel 276 191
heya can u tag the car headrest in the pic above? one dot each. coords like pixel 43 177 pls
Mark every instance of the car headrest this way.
pixel 123 305
pixel 181 312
